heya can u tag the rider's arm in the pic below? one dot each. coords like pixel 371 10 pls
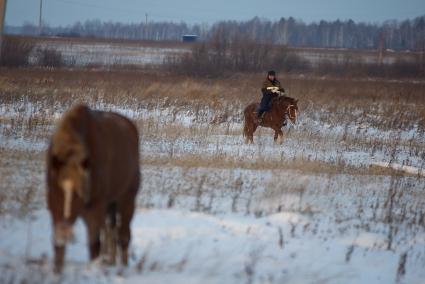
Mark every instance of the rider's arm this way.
pixel 266 88
pixel 281 89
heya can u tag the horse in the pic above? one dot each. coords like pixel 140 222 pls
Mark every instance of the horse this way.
pixel 275 118
pixel 93 173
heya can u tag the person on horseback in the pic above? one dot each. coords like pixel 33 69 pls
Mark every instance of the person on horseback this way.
pixel 271 88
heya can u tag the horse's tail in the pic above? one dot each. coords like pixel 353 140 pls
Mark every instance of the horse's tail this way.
pixel 248 120
pixel 245 129
pixel 245 124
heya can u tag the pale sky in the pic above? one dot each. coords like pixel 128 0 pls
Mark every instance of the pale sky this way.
pixel 65 12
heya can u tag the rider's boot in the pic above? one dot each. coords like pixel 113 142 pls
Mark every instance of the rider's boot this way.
pixel 260 117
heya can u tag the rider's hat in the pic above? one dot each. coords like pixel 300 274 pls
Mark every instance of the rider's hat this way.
pixel 271 73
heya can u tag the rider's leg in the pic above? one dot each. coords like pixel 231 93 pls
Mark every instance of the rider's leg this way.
pixel 264 105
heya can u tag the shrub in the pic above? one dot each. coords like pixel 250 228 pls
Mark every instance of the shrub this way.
pixel 49 58
pixel 15 51
pixel 220 56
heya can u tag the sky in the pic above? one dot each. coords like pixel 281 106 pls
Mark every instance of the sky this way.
pixel 66 12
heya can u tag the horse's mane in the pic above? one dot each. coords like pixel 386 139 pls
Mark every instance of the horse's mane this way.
pixel 285 100
pixel 291 100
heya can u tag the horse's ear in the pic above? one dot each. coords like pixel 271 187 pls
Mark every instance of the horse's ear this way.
pixel 296 101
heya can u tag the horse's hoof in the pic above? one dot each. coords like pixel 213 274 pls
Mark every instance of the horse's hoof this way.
pixel 279 140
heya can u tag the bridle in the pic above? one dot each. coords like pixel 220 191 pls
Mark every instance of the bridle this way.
pixel 289 113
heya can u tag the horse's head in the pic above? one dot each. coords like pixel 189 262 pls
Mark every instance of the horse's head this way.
pixel 290 108
pixel 69 168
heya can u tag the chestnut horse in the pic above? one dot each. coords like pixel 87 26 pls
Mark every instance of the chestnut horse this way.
pixel 275 118
pixel 93 173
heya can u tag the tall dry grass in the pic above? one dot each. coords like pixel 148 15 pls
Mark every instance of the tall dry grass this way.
pixel 385 105
pixel 221 182
pixel 380 103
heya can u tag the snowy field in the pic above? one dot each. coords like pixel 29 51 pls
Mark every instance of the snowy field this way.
pixel 100 53
pixel 107 54
pixel 331 205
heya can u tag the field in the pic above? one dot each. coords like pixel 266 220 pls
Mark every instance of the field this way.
pixel 341 201
pixel 107 53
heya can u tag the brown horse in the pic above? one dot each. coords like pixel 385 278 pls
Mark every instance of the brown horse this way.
pixel 275 118
pixel 93 173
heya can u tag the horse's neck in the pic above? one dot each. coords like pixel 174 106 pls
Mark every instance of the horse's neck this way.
pixel 283 102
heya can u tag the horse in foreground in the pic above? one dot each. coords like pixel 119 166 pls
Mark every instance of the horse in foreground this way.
pixel 93 173
pixel 275 118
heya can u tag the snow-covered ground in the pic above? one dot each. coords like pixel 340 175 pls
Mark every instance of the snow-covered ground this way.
pixel 342 143
pixel 190 247
pixel 107 54
pixel 80 53
pixel 214 210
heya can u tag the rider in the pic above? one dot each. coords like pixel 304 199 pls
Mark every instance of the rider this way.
pixel 271 88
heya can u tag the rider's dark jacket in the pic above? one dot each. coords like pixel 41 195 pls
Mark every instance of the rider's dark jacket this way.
pixel 268 85
pixel 268 89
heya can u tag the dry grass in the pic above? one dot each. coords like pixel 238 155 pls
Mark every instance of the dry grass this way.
pixel 378 104
pixel 93 40
pixel 301 165
pixel 208 177
pixel 344 102
pixel 21 186
pixel 331 94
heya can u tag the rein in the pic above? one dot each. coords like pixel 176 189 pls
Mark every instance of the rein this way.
pixel 288 113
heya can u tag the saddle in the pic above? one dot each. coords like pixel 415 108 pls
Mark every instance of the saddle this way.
pixel 260 119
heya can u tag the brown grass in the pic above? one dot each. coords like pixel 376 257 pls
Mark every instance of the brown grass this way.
pixel 381 200
pixel 242 87
pixel 400 103
pixel 302 165
pixel 382 104
pixel 21 178
pixel 93 40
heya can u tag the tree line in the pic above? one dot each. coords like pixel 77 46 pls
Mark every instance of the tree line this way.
pixel 397 35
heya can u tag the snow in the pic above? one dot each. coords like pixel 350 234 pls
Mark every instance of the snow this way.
pixel 229 223
pixel 403 168
pixel 370 240
pixel 98 53
pixel 106 54
pixel 190 247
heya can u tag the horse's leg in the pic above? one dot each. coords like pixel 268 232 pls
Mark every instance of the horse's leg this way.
pixel 249 129
pixel 126 211
pixel 95 222
pixel 252 133
pixel 278 135
pixel 59 258
pixel 111 234
pixel 59 246
pixel 247 140
pixel 124 234
pixel 246 132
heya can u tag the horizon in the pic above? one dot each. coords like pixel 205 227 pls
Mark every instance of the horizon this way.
pixel 212 23
pixel 20 12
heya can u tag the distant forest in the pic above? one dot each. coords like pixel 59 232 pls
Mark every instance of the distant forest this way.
pixel 397 35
